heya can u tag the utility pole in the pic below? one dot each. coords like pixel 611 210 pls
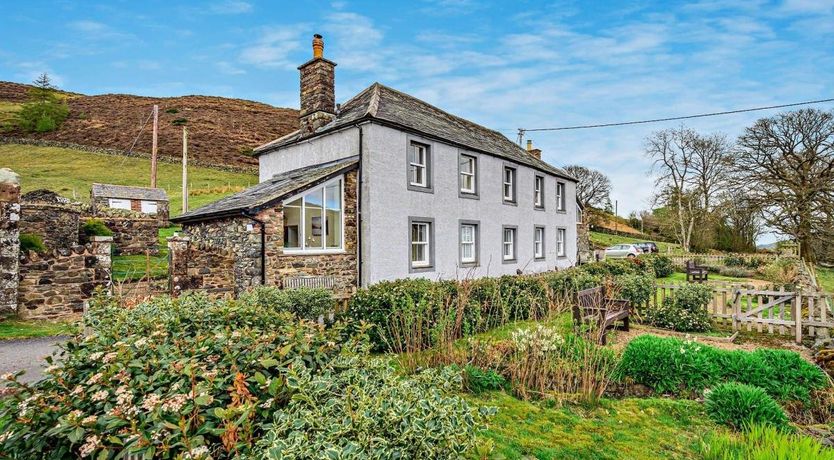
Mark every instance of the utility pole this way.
pixel 184 169
pixel 153 148
pixel 616 213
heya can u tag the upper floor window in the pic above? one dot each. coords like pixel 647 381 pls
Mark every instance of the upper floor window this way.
pixel 538 242
pixel 468 243
pixel 560 196
pixel 538 192
pixel 313 220
pixel 468 171
pixel 560 242
pixel 421 243
pixel 508 252
pixel 509 184
pixel 419 167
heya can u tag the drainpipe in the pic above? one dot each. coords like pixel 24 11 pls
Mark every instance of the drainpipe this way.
pixel 359 214
pixel 263 245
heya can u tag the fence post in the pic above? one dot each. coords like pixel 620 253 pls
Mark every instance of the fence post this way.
pixel 797 315
pixel 736 308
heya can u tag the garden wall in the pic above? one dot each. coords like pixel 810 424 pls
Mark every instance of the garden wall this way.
pixel 9 240
pixel 201 266
pixel 57 283
pixel 57 224
pixel 134 236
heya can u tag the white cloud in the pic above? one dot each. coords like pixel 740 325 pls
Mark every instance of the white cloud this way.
pixel 274 46
pixel 98 31
pixel 231 7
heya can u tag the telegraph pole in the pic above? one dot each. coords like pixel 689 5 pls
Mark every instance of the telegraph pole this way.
pixel 153 148
pixel 184 169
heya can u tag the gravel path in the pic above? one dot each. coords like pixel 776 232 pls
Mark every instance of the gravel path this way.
pixel 28 355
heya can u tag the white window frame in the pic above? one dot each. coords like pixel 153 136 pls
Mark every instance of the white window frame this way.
pixel 508 184
pixel 474 243
pixel 414 146
pixel 511 243
pixel 472 175
pixel 146 205
pixel 560 196
pixel 118 203
pixel 538 242
pixel 538 191
pixel 427 263
pixel 561 237
pixel 302 238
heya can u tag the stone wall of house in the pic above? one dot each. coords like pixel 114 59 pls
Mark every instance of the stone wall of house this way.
pixel 9 240
pixel 56 284
pixel 213 253
pixel 132 236
pixel 57 224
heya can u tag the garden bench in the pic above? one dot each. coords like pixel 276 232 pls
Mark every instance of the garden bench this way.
pixel 695 272
pixel 595 306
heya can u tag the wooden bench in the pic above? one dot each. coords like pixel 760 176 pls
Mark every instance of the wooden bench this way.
pixel 594 306
pixel 312 282
pixel 695 272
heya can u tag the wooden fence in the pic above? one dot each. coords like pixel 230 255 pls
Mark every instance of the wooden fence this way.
pixel 717 259
pixel 769 311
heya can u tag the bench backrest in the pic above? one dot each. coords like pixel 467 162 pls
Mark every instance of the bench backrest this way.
pixel 591 297
pixel 313 282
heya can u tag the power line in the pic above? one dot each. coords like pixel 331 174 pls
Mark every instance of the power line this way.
pixel 521 131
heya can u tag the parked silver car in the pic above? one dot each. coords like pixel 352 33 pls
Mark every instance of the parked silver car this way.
pixel 620 251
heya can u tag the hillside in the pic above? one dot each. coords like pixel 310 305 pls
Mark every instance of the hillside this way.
pixel 72 172
pixel 222 131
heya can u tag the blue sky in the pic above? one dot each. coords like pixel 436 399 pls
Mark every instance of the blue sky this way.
pixel 505 64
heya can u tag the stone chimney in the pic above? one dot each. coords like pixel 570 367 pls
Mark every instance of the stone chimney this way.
pixel 318 94
pixel 534 152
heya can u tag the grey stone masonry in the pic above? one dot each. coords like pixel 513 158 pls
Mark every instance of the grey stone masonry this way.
pixel 318 92
pixel 9 240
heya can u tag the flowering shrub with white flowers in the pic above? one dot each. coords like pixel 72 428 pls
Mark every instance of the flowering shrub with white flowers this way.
pixel 183 378
pixel 685 310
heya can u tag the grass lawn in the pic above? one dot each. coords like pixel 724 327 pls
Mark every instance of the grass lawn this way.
pixel 18 329
pixel 618 429
pixel 825 278
pixel 607 239
pixel 680 277
pixel 134 268
pixel 72 172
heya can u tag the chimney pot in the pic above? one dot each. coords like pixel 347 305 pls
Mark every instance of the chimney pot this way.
pixel 529 145
pixel 318 46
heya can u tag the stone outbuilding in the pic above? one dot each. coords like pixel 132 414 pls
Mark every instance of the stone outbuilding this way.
pixel 149 201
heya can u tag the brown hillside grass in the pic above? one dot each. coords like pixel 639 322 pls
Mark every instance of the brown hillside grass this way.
pixel 222 131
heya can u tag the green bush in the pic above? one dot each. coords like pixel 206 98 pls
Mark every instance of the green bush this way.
pixel 96 227
pixel 637 289
pixel 685 310
pixel 165 378
pixel 678 367
pixel 754 263
pixel 357 408
pixel 662 265
pixel 614 267
pixel 477 380
pixel 738 406
pixel 782 271
pixel 735 272
pixel 734 261
pixel 763 442
pixel 304 303
pixel 44 112
pixel 32 242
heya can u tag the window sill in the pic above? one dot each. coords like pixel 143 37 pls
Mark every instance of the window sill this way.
pixel 469 195
pixel 312 252
pixel 509 261
pixel 420 269
pixel 538 208
pixel 420 188
pixel 561 211
pixel 510 203
pixel 469 264
pixel 539 259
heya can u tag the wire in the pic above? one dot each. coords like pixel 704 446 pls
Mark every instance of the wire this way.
pixel 688 117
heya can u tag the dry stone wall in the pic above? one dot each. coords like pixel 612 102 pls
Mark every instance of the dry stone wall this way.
pixel 134 236
pixel 57 224
pixel 9 240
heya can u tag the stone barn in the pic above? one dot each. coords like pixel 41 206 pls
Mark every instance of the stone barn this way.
pixel 150 201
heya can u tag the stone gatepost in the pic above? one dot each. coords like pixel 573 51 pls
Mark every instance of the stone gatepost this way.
pixel 9 240
pixel 178 264
pixel 101 247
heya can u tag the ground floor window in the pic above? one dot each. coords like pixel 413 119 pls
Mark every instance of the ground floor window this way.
pixel 560 242
pixel 421 243
pixel 148 207
pixel 508 252
pixel 118 203
pixel 314 220
pixel 468 243
pixel 538 242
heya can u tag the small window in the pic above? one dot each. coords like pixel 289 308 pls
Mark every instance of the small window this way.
pixel 509 184
pixel 468 243
pixel 560 196
pixel 421 244
pixel 560 242
pixel 418 165
pixel 538 243
pixel 148 207
pixel 468 179
pixel 118 203
pixel 508 252
pixel 538 192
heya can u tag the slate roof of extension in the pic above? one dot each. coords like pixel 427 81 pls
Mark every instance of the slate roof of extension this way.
pixel 129 193
pixel 278 187
pixel 379 102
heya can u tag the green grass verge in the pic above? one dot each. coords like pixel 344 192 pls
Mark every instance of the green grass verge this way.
pixel 20 329
pixel 825 278
pixel 679 277
pixel 617 429
pixel 134 268
pixel 606 239
pixel 72 172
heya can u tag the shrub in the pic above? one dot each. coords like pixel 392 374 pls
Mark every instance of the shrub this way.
pixel 614 267
pixel 763 442
pixel 735 272
pixel 304 303
pixel 43 115
pixel 95 227
pixel 32 242
pixel 734 261
pixel 738 406
pixel 358 408
pixel 637 289
pixel 685 310
pixel 754 263
pixel 477 380
pixel 674 366
pixel 165 378
pixel 781 271
pixel 662 265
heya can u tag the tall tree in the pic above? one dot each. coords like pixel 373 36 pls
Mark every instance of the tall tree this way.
pixel 710 162
pixel 786 163
pixel 593 188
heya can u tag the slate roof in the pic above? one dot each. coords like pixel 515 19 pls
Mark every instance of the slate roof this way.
pixel 389 106
pixel 129 193
pixel 271 190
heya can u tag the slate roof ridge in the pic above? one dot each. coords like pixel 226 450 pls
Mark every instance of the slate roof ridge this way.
pixel 128 191
pixel 373 105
